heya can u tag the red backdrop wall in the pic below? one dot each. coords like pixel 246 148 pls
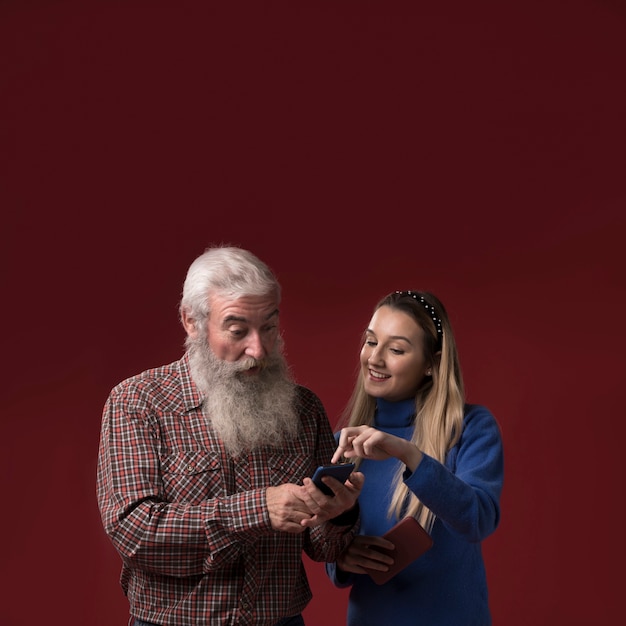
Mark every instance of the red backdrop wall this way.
pixel 473 149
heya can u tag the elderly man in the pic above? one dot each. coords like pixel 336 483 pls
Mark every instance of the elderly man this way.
pixel 204 464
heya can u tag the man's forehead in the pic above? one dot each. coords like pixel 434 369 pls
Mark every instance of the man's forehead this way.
pixel 246 308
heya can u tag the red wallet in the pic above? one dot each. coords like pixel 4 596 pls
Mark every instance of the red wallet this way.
pixel 410 541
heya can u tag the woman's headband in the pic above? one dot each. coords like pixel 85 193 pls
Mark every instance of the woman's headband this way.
pixel 429 308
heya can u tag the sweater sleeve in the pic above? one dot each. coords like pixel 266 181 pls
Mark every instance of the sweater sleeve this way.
pixel 465 492
pixel 338 577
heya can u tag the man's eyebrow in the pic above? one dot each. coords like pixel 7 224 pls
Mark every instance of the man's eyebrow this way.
pixel 233 318
pixel 239 318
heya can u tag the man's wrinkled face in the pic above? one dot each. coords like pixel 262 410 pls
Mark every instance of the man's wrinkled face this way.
pixel 245 329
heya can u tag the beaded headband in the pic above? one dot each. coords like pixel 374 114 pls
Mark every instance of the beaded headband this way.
pixel 430 309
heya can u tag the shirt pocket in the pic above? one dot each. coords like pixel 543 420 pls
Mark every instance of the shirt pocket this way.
pixel 192 476
pixel 285 468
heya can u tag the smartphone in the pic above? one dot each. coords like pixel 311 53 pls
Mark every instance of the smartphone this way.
pixel 340 471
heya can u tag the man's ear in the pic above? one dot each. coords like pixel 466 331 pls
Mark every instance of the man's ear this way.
pixel 189 324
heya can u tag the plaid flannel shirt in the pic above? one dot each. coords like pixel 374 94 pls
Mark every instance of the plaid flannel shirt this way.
pixel 190 524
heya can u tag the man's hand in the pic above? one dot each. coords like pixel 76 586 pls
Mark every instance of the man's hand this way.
pixel 287 508
pixel 325 507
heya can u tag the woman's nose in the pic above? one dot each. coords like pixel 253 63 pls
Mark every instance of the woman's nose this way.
pixel 375 356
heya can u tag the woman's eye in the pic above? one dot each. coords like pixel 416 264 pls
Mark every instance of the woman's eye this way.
pixel 370 342
pixel 396 351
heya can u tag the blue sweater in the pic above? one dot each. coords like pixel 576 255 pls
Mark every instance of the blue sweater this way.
pixel 447 585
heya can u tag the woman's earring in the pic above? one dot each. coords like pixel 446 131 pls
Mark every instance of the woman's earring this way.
pixel 428 372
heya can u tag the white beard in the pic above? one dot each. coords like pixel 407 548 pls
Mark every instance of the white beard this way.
pixel 247 412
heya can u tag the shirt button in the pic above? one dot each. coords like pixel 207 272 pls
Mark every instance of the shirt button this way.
pixel 190 468
pixel 244 606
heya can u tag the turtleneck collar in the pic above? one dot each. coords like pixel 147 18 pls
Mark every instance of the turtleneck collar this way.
pixel 395 414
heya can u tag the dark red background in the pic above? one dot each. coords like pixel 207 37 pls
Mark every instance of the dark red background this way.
pixel 476 149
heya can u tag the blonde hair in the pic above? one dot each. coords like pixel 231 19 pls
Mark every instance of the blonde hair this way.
pixel 439 402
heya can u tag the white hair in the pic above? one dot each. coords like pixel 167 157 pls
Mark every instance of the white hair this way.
pixel 230 271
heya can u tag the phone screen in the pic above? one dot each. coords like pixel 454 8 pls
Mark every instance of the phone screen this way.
pixel 341 472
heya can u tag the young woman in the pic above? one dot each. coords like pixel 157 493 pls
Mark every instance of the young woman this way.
pixel 427 454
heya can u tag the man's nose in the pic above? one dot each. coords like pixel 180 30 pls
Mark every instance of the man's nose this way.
pixel 254 347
